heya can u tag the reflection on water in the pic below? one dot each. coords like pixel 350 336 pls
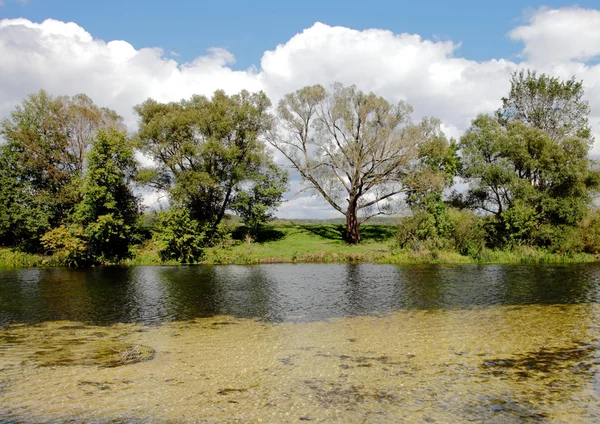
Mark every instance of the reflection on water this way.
pixel 280 293
pixel 284 343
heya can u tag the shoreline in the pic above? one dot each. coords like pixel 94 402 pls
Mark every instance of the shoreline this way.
pixel 18 260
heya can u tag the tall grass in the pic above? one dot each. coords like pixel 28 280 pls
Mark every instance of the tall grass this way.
pixel 14 259
pixel 528 255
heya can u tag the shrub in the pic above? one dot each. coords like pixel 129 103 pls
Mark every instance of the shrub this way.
pixel 467 234
pixel 68 245
pixel 179 237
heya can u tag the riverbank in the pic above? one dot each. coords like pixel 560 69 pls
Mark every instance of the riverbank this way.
pixel 310 243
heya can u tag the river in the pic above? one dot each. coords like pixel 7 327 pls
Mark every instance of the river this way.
pixel 306 342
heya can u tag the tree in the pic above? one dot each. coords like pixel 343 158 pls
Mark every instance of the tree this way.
pixel 109 211
pixel 528 166
pixel 255 204
pixel 548 104
pixel 205 150
pixel 23 219
pixel 104 224
pixel 356 150
pixel 525 178
pixel 46 139
pixel 434 171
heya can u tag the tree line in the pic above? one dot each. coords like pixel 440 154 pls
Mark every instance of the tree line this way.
pixel 68 173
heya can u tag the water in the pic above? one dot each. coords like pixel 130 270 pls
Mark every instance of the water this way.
pixel 281 343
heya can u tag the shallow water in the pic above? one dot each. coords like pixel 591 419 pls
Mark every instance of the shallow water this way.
pixel 281 343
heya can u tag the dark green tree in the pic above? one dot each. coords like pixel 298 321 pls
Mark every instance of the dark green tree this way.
pixel 23 218
pixel 43 156
pixel 109 211
pixel 105 222
pixel 529 165
pixel 179 237
pixel 205 150
pixel 533 184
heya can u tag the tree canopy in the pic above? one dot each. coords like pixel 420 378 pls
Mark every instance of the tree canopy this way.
pixel 548 104
pixel 354 149
pixel 205 150
pixel 42 161
pixel 529 165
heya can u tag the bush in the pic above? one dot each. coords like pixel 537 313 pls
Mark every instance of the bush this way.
pixel 179 237
pixel 414 232
pixel 68 245
pixel 467 234
pixel 462 230
pixel 585 237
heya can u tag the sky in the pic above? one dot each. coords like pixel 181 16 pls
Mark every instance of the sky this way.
pixel 451 60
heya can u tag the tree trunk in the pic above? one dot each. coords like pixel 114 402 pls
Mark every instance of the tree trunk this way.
pixel 352 234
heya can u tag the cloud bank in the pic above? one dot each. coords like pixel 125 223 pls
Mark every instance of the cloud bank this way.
pixel 63 58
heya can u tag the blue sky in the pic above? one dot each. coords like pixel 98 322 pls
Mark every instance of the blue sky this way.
pixel 454 64
pixel 248 28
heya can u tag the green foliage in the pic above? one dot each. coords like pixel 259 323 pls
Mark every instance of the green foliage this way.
pixel 109 211
pixel 518 224
pixel 585 237
pixel 428 227
pixel 467 233
pixel 256 204
pixel 553 106
pixel 437 165
pixel 42 162
pixel 444 229
pixel 68 245
pixel 206 150
pixel 529 165
pixel 23 217
pixel 11 258
pixel 179 237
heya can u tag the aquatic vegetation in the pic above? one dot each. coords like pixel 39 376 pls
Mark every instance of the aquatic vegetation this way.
pixel 499 364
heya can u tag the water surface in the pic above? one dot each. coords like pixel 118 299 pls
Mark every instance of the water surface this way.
pixel 287 343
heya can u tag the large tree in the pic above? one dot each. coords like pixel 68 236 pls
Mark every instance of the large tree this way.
pixel 43 157
pixel 354 149
pixel 529 165
pixel 205 150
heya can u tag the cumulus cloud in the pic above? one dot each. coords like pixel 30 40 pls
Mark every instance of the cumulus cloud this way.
pixel 559 35
pixel 64 58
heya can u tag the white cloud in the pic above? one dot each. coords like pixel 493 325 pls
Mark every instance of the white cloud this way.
pixel 559 35
pixel 64 58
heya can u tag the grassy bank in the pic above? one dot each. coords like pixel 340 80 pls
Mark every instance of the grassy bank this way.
pixel 14 259
pixel 318 243
pixel 322 243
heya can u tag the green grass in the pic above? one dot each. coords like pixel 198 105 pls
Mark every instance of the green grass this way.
pixel 14 259
pixel 323 244
pixel 318 243
pixel 528 255
pixel 304 243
